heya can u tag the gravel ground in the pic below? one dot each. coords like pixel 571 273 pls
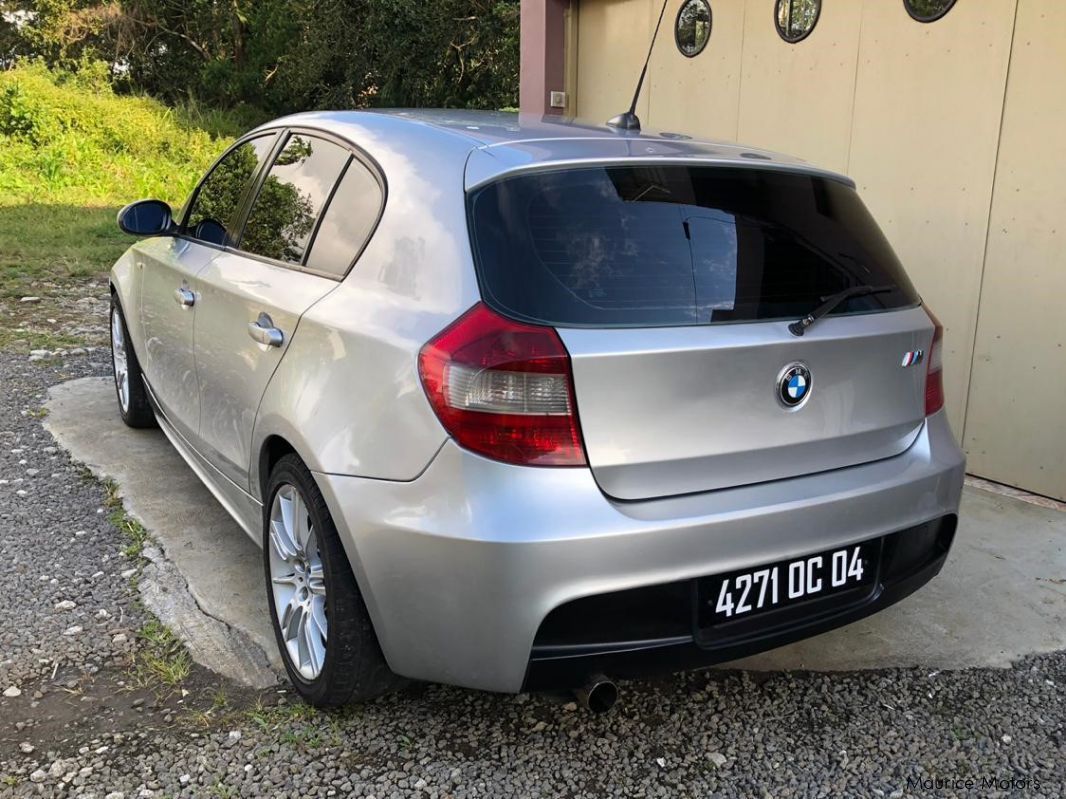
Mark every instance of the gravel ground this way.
pixel 86 722
pixel 62 563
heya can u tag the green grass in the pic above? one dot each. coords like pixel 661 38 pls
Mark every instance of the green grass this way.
pixel 162 659
pixel 55 242
pixel 36 339
pixel 71 154
pixel 135 533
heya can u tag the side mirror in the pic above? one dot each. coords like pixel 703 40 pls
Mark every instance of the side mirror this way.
pixel 146 218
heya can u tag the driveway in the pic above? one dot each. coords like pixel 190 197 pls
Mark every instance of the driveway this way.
pixel 958 691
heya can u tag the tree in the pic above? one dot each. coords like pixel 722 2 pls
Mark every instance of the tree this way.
pixel 285 55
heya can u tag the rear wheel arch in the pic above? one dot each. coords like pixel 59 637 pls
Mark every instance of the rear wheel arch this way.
pixel 354 666
pixel 272 450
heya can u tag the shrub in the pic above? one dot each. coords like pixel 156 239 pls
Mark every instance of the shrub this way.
pixel 66 138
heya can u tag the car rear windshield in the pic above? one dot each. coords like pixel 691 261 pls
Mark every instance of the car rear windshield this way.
pixel 636 246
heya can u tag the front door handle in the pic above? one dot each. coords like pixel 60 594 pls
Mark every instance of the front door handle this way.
pixel 185 297
pixel 263 331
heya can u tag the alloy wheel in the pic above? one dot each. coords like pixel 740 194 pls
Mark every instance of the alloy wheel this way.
pixel 297 582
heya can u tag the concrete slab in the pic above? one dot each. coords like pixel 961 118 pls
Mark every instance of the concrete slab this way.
pixel 1001 596
pixel 207 584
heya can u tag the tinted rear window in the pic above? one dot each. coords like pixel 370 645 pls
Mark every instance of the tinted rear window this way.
pixel 630 246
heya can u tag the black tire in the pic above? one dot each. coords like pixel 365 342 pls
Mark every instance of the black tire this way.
pixel 138 412
pixel 354 668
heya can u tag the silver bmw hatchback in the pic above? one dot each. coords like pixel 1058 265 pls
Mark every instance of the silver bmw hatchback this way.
pixel 514 403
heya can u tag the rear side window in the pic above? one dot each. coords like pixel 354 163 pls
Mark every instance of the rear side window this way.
pixel 297 187
pixel 348 221
pixel 633 246
pixel 213 212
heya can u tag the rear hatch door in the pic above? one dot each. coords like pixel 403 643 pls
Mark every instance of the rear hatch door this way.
pixel 673 287
pixel 680 410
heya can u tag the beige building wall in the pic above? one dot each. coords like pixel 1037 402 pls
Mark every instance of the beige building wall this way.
pixel 798 98
pixel 1016 418
pixel 705 99
pixel 928 102
pixel 619 26
pixel 914 113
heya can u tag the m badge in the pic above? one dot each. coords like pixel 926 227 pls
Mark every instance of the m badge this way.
pixel 912 358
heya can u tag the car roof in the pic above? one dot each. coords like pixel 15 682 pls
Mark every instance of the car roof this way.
pixel 494 143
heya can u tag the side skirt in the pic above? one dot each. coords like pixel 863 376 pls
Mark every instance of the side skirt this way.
pixel 245 509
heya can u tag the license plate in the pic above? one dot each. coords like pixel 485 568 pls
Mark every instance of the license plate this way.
pixel 743 594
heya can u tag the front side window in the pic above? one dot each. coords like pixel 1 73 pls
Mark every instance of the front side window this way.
pixel 299 184
pixel 644 246
pixel 212 214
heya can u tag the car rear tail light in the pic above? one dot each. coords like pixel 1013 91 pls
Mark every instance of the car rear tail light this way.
pixel 504 389
pixel 934 376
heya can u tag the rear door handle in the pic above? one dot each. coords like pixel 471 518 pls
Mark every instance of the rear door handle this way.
pixel 263 331
pixel 185 297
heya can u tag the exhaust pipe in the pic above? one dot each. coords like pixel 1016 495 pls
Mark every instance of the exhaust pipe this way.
pixel 597 695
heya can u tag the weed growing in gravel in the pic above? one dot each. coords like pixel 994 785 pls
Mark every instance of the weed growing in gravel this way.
pixel 272 716
pixel 219 700
pixel 307 736
pixel 162 659
pixel 219 713
pixel 132 529
pixel 260 715
pixel 299 724
pixel 200 719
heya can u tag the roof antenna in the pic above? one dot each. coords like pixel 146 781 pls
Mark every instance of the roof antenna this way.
pixel 629 119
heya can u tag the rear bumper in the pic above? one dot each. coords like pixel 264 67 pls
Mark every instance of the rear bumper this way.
pixel 462 566
pixel 571 645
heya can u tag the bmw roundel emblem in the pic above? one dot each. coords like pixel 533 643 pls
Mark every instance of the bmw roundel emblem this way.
pixel 794 385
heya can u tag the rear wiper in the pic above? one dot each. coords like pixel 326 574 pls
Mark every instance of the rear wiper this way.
pixel 799 327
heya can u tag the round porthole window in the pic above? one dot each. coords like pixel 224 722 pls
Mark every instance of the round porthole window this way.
pixel 693 27
pixel 795 19
pixel 928 10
